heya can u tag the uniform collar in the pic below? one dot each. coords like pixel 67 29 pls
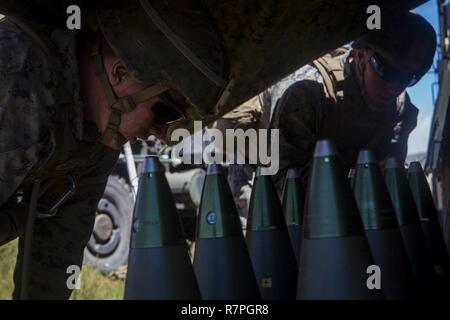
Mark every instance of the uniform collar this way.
pixel 351 83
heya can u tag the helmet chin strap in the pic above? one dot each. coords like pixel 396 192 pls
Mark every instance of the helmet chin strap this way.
pixel 119 106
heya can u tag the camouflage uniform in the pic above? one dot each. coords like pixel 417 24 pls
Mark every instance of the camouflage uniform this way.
pixel 303 111
pixel 43 136
pixel 248 115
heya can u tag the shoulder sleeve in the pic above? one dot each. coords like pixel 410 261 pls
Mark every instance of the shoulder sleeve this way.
pixel 299 109
pixel 27 107
pixel 407 114
pixel 298 117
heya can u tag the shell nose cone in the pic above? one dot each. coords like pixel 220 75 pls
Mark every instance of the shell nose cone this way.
pixel 152 165
pixel 325 148
pixel 415 167
pixel 214 169
pixel 258 172
pixel 293 173
pixel 366 156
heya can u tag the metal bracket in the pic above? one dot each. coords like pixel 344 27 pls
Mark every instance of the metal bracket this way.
pixel 53 210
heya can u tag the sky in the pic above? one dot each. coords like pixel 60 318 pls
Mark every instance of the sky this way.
pixel 421 93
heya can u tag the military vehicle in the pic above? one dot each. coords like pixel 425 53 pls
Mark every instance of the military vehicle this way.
pixel 437 163
pixel 109 244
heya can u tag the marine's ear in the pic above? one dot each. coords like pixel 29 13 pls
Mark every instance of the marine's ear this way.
pixel 118 72
pixel 361 57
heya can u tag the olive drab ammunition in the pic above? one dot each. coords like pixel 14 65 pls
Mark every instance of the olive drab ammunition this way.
pixel 293 204
pixel 159 265
pixel 409 225
pixel 429 221
pixel 351 177
pixel 268 242
pixel 335 253
pixel 221 260
pixel 381 227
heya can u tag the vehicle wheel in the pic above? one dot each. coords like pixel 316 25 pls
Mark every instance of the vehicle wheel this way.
pixel 108 246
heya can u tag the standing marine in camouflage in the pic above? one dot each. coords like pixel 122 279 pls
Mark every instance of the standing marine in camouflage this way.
pixel 68 102
pixel 355 97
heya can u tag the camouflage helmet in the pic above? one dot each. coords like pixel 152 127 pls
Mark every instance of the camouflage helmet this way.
pixel 408 40
pixel 172 44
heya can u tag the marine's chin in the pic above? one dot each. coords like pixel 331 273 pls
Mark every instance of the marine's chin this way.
pixel 381 103
pixel 113 146
pixel 117 142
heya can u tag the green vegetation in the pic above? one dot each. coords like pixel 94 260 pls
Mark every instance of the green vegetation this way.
pixel 94 285
pixel 7 260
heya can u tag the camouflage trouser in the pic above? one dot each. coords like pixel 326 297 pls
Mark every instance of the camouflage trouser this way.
pixel 59 241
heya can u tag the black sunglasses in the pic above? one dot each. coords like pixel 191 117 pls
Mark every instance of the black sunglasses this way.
pixel 391 74
pixel 167 110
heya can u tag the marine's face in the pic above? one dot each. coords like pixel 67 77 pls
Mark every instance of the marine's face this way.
pixel 139 123
pixel 384 80
pixel 381 92
pixel 150 117
pixel 142 122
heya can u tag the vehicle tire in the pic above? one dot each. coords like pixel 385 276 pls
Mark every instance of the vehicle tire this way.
pixel 108 246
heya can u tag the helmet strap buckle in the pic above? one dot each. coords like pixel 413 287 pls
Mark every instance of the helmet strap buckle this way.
pixel 125 104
